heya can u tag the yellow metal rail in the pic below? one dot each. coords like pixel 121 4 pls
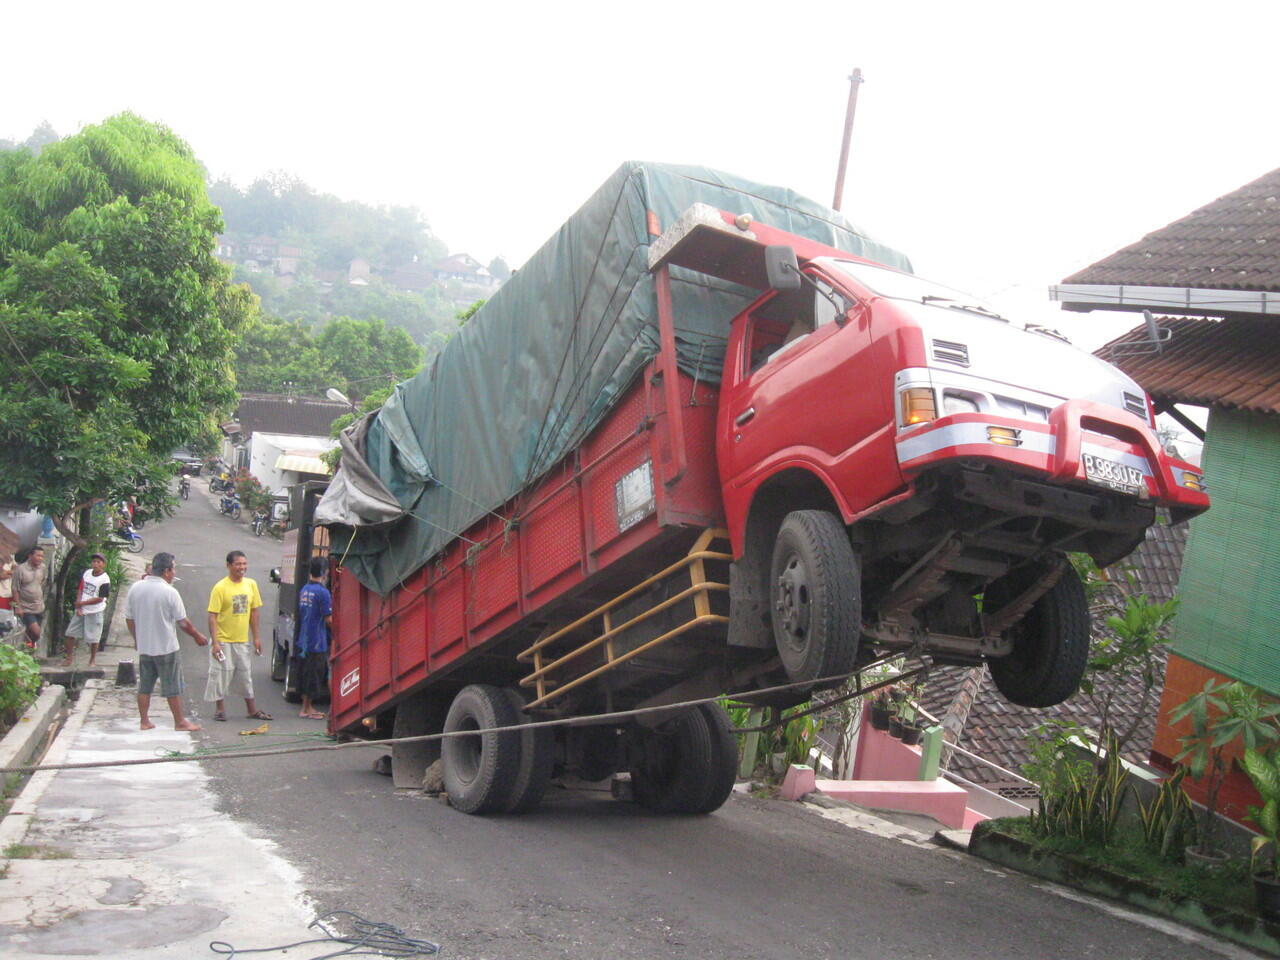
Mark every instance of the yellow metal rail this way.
pixel 699 589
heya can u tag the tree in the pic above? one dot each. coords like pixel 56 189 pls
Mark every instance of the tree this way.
pixel 272 352
pixel 499 269
pixel 362 352
pixel 116 321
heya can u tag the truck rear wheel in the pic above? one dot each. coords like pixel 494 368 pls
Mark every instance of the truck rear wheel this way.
pixel 537 755
pixel 1050 645
pixel 815 592
pixel 277 659
pixel 479 770
pixel 688 764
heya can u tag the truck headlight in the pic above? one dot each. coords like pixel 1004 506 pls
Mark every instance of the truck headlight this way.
pixel 954 403
pixel 1192 481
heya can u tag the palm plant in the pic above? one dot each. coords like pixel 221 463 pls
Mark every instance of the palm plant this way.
pixel 1221 714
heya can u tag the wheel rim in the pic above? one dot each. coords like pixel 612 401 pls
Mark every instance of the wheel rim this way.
pixel 793 604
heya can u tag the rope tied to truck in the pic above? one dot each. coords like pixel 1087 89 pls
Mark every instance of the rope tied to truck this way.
pixel 746 696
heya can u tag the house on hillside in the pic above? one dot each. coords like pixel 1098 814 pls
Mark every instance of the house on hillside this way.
pixel 279 439
pixel 465 269
pixel 1214 276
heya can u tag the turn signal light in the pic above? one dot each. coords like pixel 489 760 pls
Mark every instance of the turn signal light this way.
pixel 918 405
pixel 1193 481
pixel 1005 436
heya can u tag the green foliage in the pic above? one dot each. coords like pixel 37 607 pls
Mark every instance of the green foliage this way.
pixel 116 321
pixel 1084 800
pixel 328 229
pixel 1222 713
pixel 253 495
pixel 793 738
pixel 1169 818
pixel 19 684
pixel 1264 771
pixel 353 355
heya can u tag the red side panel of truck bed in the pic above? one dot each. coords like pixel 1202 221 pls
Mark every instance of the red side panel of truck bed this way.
pixel 568 529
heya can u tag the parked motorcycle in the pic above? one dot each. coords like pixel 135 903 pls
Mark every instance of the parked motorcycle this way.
pixel 230 504
pixel 184 487
pixel 127 537
pixel 259 522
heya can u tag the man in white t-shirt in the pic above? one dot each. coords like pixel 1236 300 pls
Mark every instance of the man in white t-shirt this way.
pixel 91 603
pixel 154 610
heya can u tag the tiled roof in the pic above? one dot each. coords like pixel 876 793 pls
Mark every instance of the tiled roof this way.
pixel 1232 243
pixel 1228 363
pixel 997 730
pixel 301 416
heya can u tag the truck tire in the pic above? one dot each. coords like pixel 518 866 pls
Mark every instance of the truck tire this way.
pixel 290 692
pixel 537 755
pixel 277 659
pixel 687 765
pixel 1050 646
pixel 815 596
pixel 479 771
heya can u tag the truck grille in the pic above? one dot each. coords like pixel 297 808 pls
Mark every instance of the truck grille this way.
pixel 945 350
pixel 1134 404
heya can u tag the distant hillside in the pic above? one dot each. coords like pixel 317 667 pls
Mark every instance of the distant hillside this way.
pixel 312 256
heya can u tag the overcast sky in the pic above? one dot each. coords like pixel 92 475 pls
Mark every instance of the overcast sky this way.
pixel 1002 146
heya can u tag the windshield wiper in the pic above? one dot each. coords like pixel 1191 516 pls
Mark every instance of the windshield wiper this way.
pixel 975 308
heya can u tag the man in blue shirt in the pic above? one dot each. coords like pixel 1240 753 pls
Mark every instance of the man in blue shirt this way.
pixel 315 609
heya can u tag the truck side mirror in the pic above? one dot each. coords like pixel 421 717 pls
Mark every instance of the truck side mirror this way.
pixel 781 269
pixel 274 576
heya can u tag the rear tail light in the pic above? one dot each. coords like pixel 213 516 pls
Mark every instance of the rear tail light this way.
pixel 918 405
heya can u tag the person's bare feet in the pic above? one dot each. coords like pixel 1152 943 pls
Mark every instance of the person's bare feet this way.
pixel 148 725
pixel 312 716
pixel 66 663
pixel 188 725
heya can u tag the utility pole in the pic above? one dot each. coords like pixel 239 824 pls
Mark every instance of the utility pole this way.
pixel 855 81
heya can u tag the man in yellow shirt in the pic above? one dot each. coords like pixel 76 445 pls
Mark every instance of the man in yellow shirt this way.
pixel 233 615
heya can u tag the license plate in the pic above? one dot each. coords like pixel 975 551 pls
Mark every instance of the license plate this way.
pixel 1113 475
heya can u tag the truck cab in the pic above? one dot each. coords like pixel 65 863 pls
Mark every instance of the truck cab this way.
pixel 902 468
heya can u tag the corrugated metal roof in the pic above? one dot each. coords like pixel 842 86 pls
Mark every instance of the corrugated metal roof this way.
pixel 1228 363
pixel 1232 243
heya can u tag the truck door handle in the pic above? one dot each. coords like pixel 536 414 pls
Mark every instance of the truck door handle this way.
pixel 745 416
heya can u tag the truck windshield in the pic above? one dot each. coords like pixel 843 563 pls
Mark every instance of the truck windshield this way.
pixel 905 286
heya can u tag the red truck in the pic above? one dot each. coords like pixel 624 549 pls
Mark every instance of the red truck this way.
pixel 884 465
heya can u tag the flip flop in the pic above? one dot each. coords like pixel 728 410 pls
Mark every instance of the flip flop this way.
pixel 220 716
pixel 261 715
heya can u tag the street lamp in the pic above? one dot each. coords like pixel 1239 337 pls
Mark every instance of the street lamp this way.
pixel 333 393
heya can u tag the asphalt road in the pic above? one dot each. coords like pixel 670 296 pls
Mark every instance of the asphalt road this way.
pixel 587 877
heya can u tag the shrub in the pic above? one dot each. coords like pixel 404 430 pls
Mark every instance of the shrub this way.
pixel 19 684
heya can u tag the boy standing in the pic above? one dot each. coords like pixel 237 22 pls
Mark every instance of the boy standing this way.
pixel 90 605
pixel 315 609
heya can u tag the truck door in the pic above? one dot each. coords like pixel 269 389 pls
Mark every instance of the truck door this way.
pixel 798 387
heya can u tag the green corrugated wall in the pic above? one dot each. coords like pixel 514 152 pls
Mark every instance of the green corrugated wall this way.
pixel 1229 620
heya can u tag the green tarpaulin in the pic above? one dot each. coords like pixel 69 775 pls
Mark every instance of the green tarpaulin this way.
pixel 540 364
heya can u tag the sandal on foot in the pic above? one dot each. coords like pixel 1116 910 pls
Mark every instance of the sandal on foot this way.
pixel 261 715
pixel 220 716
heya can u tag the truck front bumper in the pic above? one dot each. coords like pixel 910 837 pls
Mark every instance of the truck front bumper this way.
pixel 1083 444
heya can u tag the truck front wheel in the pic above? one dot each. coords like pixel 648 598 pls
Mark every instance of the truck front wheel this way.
pixel 480 770
pixel 688 764
pixel 1050 644
pixel 815 592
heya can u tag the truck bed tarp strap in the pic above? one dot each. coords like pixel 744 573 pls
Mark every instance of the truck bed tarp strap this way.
pixel 528 377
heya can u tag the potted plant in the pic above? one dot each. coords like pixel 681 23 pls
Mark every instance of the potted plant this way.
pixel 881 711
pixel 1264 771
pixel 912 732
pixel 1220 714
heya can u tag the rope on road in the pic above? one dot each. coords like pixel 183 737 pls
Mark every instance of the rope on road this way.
pixel 368 939
pixel 746 696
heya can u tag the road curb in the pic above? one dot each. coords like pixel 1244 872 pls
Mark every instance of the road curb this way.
pixel 14 826
pixel 20 743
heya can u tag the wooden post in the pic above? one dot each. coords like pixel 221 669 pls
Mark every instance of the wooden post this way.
pixel 750 744
pixel 855 81
pixel 930 752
